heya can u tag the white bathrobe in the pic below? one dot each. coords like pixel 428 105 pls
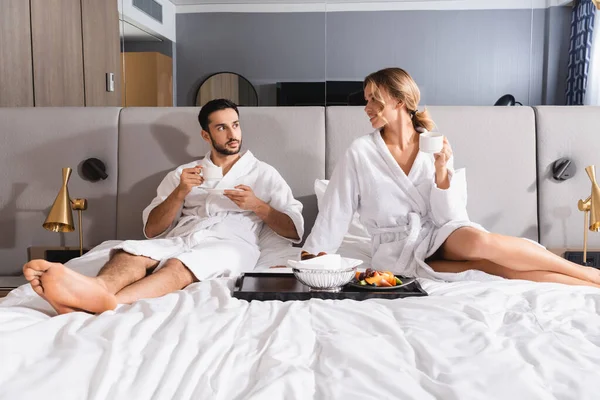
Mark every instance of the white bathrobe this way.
pixel 407 216
pixel 211 235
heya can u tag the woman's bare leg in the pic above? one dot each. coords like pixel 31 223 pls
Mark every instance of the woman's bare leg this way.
pixel 498 270
pixel 471 244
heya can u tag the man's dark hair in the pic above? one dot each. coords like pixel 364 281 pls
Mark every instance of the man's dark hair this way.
pixel 211 107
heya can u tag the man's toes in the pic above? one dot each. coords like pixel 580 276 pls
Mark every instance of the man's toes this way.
pixel 35 268
pixel 31 274
pixel 37 287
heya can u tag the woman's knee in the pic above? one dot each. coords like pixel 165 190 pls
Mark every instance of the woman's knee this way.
pixel 482 243
pixel 472 244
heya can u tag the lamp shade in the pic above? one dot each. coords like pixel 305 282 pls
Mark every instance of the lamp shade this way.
pixel 507 100
pixel 60 218
pixel 595 200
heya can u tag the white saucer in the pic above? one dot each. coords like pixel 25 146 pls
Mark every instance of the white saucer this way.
pixel 220 191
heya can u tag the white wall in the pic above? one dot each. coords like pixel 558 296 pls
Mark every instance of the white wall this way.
pixel 136 17
pixel 270 6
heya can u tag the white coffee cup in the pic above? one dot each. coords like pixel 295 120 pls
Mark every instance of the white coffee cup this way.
pixel 431 142
pixel 212 173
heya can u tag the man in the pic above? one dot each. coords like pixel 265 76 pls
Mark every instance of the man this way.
pixel 197 231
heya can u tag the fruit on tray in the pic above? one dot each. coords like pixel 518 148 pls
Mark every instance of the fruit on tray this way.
pixel 377 278
pixel 305 255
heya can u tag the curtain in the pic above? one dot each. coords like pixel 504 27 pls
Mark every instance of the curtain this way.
pixel 580 49
pixel 592 93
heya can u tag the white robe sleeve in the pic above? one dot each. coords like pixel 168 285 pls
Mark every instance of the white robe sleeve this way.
pixel 340 202
pixel 282 200
pixel 166 187
pixel 450 204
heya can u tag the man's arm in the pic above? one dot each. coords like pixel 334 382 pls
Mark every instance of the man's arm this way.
pixel 163 215
pixel 281 223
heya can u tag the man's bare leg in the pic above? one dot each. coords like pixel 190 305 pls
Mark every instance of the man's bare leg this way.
pixel 123 269
pixel 68 291
pixel 173 276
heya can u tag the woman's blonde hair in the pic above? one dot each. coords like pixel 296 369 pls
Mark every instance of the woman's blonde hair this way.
pixel 401 86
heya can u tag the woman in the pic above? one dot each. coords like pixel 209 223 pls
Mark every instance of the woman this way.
pixel 414 204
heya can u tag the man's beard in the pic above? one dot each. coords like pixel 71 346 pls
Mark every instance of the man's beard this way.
pixel 223 150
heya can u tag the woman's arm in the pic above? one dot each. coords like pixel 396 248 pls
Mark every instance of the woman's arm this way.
pixel 442 162
pixel 337 208
pixel 448 198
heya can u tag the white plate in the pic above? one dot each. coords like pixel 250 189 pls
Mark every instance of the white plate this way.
pixel 220 191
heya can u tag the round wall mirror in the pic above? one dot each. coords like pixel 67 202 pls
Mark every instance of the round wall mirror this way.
pixel 227 85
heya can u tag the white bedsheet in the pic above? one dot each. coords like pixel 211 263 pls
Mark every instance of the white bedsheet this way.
pixel 467 340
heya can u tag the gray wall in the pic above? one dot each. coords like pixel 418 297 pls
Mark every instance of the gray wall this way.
pixel 457 57
pixel 263 47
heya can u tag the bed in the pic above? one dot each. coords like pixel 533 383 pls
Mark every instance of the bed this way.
pixel 467 340
pixel 476 339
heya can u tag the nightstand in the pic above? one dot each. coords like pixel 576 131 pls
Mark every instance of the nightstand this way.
pixel 53 254
pixel 8 283
pixel 576 255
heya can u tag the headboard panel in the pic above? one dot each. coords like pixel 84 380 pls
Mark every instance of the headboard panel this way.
pixel 154 141
pixel 566 132
pixel 497 147
pixel 36 143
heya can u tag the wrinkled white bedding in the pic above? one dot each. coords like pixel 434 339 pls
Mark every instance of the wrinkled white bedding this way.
pixel 467 340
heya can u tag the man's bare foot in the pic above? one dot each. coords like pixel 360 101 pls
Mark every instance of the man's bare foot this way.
pixel 67 290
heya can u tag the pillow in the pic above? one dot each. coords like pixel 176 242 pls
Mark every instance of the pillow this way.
pixel 357 241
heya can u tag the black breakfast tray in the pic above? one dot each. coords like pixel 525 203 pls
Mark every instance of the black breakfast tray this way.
pixel 285 287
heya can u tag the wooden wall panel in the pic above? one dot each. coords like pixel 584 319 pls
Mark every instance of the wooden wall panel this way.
pixel 101 51
pixel 16 79
pixel 57 53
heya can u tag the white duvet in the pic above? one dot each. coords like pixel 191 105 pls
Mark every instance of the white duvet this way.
pixel 467 340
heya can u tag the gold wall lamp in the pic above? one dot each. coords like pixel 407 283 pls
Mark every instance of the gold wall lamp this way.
pixel 591 208
pixel 60 217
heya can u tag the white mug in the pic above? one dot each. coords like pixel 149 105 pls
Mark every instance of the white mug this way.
pixel 431 142
pixel 212 173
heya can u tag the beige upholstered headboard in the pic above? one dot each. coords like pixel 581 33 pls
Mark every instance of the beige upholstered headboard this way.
pixel 574 133
pixel 139 146
pixel 35 144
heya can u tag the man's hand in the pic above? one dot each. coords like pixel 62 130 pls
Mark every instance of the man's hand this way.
pixel 190 178
pixel 244 198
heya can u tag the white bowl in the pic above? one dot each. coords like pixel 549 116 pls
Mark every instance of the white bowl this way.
pixel 323 280
pixel 320 278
